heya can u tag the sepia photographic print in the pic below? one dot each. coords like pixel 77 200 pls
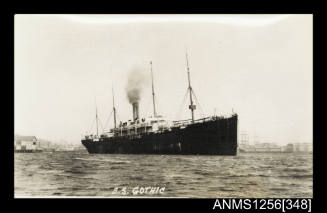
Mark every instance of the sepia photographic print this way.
pixel 163 106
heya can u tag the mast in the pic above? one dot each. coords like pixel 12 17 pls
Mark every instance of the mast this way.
pixel 153 99
pixel 113 107
pixel 96 117
pixel 192 107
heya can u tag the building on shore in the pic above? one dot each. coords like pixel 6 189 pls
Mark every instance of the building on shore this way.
pixel 271 147
pixel 288 148
pixel 267 147
pixel 302 147
pixel 260 147
pixel 26 144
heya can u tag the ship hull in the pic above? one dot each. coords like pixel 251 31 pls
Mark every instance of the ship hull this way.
pixel 215 137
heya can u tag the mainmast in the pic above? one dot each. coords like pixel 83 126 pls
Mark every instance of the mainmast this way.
pixel 96 117
pixel 113 107
pixel 192 107
pixel 153 97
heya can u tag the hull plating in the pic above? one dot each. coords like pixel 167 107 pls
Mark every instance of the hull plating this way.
pixel 216 137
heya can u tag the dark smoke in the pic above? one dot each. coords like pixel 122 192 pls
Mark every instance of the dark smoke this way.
pixel 136 81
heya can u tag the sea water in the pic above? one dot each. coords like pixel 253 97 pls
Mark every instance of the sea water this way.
pixel 79 174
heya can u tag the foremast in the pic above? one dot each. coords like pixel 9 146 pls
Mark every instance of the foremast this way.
pixel 97 119
pixel 192 107
pixel 153 95
pixel 114 108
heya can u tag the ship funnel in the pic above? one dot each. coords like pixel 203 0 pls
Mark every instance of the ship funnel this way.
pixel 135 111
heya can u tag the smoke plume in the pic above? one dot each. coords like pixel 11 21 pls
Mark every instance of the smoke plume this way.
pixel 136 81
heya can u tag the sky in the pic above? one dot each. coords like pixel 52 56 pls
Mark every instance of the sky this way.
pixel 259 66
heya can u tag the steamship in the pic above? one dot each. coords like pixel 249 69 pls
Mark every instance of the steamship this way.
pixel 213 135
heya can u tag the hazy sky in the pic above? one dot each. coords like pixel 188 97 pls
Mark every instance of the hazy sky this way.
pixel 258 65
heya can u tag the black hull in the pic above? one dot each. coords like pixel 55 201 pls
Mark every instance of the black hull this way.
pixel 215 137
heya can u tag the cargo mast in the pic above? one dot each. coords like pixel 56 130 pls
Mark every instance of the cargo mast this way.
pixel 192 107
pixel 96 118
pixel 153 97
pixel 113 107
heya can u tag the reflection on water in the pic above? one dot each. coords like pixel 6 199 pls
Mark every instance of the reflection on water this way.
pixel 245 175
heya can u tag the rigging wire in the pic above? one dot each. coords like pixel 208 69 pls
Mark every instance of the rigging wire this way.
pixel 118 119
pixel 101 126
pixel 107 122
pixel 147 108
pixel 198 103
pixel 90 129
pixel 181 106
pixel 155 100
pixel 157 106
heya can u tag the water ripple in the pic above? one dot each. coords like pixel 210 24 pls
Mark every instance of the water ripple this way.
pixel 245 175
